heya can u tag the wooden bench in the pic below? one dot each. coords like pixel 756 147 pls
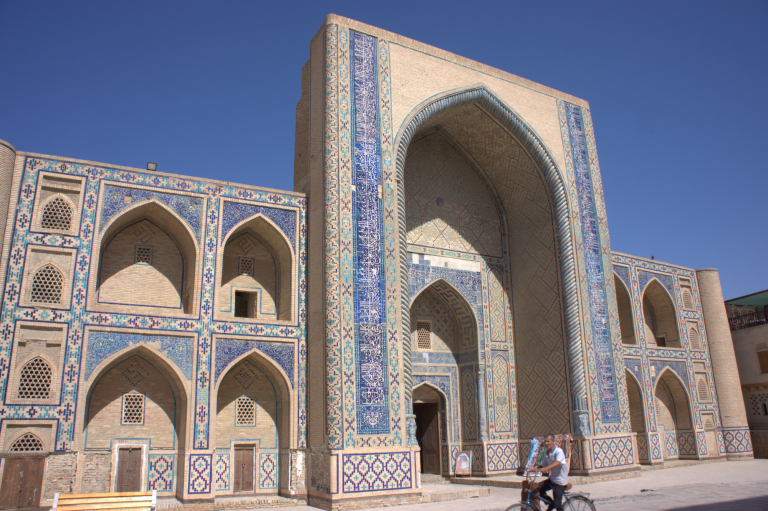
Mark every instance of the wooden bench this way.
pixel 131 501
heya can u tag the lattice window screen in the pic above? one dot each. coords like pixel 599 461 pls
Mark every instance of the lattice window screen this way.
pixel 143 254
pixel 693 336
pixel 245 411
pixel 46 285
pixel 35 380
pixel 702 388
pixel 757 401
pixel 246 266
pixel 27 442
pixel 133 408
pixel 57 215
pixel 687 299
pixel 424 335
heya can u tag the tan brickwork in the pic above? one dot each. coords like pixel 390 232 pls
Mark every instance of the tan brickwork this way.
pixel 7 161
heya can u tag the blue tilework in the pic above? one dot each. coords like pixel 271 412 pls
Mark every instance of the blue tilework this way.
pixel 160 472
pixel 644 277
pixel 612 452
pixel 677 367
pixel 103 344
pixel 228 350
pixel 187 207
pixel 371 346
pixel 635 367
pixel 200 472
pixel 376 472
pixel 501 457
pixel 267 471
pixel 221 476
pixel 77 318
pixel 623 273
pixel 236 212
pixel 609 403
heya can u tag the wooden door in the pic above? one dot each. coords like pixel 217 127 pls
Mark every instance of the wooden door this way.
pixel 244 464
pixel 128 470
pixel 22 482
pixel 428 435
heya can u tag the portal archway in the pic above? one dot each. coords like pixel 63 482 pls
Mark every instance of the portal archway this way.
pixel 659 317
pixel 673 413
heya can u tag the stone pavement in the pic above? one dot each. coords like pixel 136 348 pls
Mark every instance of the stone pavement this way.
pixel 741 485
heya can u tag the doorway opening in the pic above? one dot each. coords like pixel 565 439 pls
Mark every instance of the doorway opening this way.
pixel 22 482
pixel 428 435
pixel 128 470
pixel 244 467
pixel 245 304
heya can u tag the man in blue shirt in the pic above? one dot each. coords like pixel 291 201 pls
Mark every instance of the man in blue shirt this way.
pixel 555 465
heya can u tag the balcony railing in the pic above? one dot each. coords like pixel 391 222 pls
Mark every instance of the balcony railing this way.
pixel 748 320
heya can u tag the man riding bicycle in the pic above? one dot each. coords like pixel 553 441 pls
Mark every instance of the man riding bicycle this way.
pixel 555 465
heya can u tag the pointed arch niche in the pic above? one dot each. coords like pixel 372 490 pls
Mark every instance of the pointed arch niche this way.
pixel 626 321
pixel 659 317
pixel 673 412
pixel 148 257
pixel 256 273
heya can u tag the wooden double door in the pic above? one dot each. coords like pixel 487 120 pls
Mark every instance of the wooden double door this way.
pixel 428 435
pixel 128 469
pixel 22 482
pixel 244 468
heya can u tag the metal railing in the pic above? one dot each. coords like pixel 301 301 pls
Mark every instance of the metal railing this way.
pixel 748 320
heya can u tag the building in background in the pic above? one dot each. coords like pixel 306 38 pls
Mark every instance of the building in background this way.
pixel 749 330
pixel 440 280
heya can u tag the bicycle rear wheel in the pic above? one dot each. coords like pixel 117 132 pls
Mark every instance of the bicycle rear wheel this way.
pixel 578 503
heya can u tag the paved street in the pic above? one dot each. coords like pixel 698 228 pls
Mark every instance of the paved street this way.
pixel 710 487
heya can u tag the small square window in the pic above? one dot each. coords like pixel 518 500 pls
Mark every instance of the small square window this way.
pixel 245 304
pixel 245 412
pixel 143 254
pixel 133 409
pixel 245 266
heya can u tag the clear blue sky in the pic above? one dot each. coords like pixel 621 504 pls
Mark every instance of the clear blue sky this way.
pixel 678 91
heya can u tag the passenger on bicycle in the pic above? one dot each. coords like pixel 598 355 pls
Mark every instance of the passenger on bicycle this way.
pixel 554 464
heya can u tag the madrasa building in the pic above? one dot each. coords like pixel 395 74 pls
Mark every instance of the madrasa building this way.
pixel 440 280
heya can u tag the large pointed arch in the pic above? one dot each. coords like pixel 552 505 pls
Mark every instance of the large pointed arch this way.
pixel 675 385
pixel 566 284
pixel 626 318
pixel 637 416
pixel 173 226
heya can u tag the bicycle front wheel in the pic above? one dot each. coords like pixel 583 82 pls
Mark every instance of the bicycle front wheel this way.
pixel 579 503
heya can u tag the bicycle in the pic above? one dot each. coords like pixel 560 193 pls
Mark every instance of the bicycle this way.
pixel 571 501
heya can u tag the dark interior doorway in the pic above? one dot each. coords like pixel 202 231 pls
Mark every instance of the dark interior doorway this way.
pixel 428 435
pixel 22 482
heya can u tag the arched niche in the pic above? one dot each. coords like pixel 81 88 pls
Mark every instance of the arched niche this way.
pixel 280 407
pixel 659 317
pixel 137 371
pixel 636 408
pixel 673 411
pixel 146 244
pixel 430 408
pixel 267 293
pixel 536 222
pixel 626 321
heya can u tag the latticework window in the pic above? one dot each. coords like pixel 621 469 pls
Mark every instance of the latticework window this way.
pixel 133 408
pixel 57 214
pixel 245 412
pixel 143 255
pixel 35 380
pixel 245 266
pixel 687 299
pixel 424 335
pixel 702 388
pixel 758 402
pixel 693 335
pixel 46 285
pixel 27 442
pixel 709 422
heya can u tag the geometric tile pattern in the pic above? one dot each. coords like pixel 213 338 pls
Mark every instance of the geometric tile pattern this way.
pixel 221 472
pixel 642 447
pixel 601 334
pixel 644 277
pixel 376 472
pixel 372 378
pixel 118 198
pixel 655 447
pixel 670 444
pixel 267 471
pixel 101 345
pixel 447 204
pixel 199 474
pixel 180 196
pixel 737 440
pixel 701 440
pixel 469 403
pixel 228 350
pixel 160 472
pixel 501 392
pixel 235 212
pixel 686 443
pixel 612 452
pixel 501 457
